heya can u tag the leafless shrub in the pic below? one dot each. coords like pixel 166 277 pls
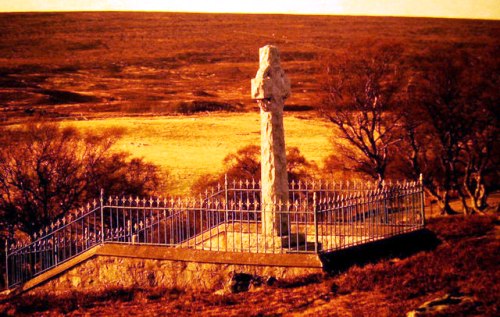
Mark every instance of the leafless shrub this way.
pixel 245 165
pixel 452 128
pixel 362 95
pixel 46 170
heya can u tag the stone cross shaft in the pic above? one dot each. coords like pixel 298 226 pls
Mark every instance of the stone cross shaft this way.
pixel 270 88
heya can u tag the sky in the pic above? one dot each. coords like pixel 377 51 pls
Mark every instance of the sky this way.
pixel 476 9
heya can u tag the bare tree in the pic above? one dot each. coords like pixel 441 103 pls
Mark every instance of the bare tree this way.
pixel 361 100
pixel 452 140
pixel 480 158
pixel 46 171
pixel 482 145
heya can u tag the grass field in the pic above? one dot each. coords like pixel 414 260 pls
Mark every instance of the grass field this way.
pixel 191 146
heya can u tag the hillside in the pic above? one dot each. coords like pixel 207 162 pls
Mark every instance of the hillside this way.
pixel 109 64
pixel 463 268
pixel 174 89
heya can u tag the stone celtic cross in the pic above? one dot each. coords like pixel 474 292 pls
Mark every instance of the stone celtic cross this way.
pixel 270 88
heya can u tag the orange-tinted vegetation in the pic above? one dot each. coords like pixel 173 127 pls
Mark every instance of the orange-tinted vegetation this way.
pixel 47 171
pixel 463 267
pixel 81 66
pixel 60 64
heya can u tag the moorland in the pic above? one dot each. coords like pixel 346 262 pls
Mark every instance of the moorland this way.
pixel 114 64
pixel 174 89
pixel 103 66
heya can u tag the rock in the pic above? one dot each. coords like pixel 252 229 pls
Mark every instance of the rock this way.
pixel 271 281
pixel 75 281
pixel 256 283
pixel 238 283
pixel 439 304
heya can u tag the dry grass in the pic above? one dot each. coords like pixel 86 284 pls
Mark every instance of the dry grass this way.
pixel 63 64
pixel 98 65
pixel 466 262
pixel 196 145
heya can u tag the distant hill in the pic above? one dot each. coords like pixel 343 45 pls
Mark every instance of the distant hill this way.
pixel 150 62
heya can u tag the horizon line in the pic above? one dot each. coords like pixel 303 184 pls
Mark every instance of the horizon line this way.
pixel 259 13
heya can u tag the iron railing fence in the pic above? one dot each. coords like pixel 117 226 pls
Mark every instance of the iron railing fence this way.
pixel 319 217
pixel 54 244
pixel 299 191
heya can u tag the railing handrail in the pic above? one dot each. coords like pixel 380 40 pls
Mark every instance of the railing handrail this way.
pixel 55 230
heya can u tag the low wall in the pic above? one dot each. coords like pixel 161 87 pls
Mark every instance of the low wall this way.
pixel 117 265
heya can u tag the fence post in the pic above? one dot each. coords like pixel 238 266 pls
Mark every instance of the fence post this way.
pixel 55 249
pixel 6 263
pixel 101 199
pixel 315 213
pixel 422 196
pixel 226 213
pixel 226 196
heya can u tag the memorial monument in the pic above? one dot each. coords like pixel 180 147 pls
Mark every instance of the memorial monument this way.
pixel 270 88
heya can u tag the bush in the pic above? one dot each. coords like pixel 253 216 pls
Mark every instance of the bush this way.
pixel 203 106
pixel 245 165
pixel 46 171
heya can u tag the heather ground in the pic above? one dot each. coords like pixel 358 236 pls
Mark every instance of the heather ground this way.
pixel 465 263
pixel 122 70
pixel 101 64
